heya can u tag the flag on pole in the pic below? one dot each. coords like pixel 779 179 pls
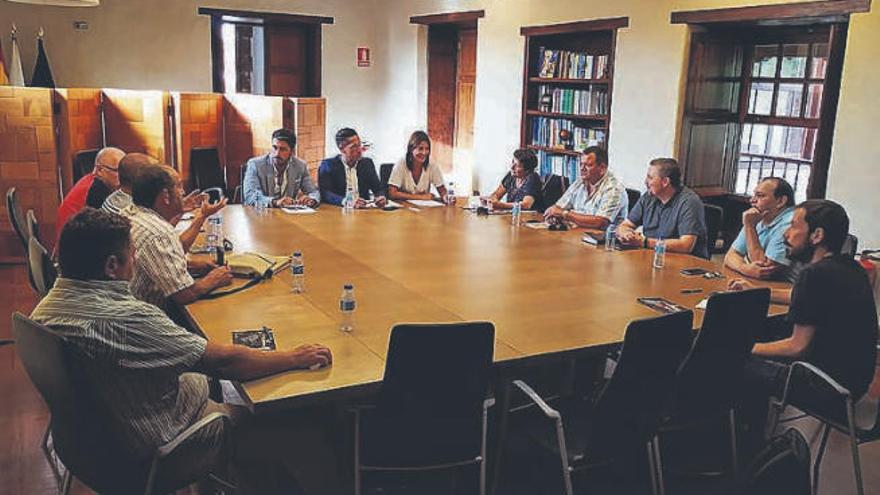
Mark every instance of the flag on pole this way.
pixel 42 73
pixel 4 79
pixel 16 75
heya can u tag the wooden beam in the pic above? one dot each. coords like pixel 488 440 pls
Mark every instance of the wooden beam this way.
pixel 449 18
pixel 265 17
pixel 574 27
pixel 825 8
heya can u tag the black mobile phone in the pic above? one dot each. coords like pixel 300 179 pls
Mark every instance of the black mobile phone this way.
pixel 693 272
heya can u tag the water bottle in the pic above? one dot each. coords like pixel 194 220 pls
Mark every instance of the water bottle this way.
pixel 346 308
pixel 298 270
pixel 450 193
pixel 610 237
pixel 659 253
pixel 348 202
pixel 214 233
pixel 515 214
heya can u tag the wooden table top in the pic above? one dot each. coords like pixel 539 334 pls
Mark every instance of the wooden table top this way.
pixel 547 292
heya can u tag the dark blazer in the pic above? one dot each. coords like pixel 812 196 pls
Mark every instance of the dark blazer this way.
pixel 331 180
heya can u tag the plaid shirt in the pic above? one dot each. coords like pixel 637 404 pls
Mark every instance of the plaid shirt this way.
pixel 609 199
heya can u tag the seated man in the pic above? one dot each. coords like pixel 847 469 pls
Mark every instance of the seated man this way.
pixel 349 170
pixel 668 210
pixel 595 201
pixel 832 309
pixel 120 199
pixel 279 178
pixel 160 266
pixel 81 194
pixel 759 249
pixel 147 372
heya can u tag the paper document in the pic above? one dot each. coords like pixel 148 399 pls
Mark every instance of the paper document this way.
pixel 425 203
pixel 537 225
pixel 297 210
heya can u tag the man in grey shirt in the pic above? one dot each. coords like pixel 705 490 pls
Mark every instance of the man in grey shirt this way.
pixel 668 210
pixel 279 178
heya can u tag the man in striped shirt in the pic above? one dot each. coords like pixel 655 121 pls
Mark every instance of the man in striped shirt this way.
pixel 595 201
pixel 120 199
pixel 147 373
pixel 160 265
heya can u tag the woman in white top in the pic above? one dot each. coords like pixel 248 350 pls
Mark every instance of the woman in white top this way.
pixel 412 177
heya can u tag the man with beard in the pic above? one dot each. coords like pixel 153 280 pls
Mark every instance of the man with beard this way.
pixel 832 310
pixel 279 178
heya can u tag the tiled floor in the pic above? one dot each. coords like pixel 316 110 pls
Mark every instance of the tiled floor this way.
pixel 23 416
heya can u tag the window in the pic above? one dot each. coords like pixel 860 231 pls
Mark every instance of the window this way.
pixel 761 102
pixel 265 53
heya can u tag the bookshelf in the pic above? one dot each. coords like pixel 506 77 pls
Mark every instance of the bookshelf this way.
pixel 567 85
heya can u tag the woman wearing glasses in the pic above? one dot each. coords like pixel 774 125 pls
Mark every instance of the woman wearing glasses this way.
pixel 522 184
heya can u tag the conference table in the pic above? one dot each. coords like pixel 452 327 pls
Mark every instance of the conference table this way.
pixel 550 295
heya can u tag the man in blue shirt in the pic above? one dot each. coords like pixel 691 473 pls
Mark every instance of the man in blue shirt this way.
pixel 668 210
pixel 759 249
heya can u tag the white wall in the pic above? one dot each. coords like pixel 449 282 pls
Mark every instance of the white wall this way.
pixel 163 44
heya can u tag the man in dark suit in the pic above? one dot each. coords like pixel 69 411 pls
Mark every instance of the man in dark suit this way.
pixel 349 169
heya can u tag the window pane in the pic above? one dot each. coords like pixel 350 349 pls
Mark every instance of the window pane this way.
pixel 788 102
pixel 764 64
pixel 760 98
pixel 794 60
pixel 779 151
pixel 819 61
pixel 814 101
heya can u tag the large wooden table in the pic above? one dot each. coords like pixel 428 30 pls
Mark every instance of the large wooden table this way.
pixel 548 294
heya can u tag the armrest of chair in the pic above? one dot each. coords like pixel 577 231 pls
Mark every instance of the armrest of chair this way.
pixel 489 402
pixel 534 397
pixel 169 447
pixel 838 388
pixel 6 342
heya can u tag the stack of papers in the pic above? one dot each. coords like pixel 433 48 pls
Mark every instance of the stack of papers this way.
pixel 425 203
pixel 297 209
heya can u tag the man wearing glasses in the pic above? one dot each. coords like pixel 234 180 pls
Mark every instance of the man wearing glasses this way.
pixel 88 191
pixel 349 170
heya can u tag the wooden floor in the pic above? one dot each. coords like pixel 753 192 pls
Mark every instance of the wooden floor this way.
pixel 23 416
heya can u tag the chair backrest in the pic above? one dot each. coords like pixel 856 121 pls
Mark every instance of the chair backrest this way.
pixel 41 352
pixel 811 390
pixel 632 195
pixel 630 406
pixel 714 221
pixel 16 217
pixel 83 163
pixel 385 174
pixel 553 188
pixel 33 226
pixel 713 367
pixel 41 268
pixel 850 246
pixel 437 370
pixel 205 169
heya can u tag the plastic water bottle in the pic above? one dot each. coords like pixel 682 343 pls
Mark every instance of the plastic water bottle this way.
pixel 346 308
pixel 214 233
pixel 659 253
pixel 298 270
pixel 450 193
pixel 610 237
pixel 515 214
pixel 348 202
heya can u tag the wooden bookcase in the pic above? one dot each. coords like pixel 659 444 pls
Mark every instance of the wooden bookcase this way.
pixel 576 97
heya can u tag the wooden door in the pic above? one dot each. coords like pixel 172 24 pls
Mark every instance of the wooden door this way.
pixel 465 84
pixel 442 61
pixel 287 50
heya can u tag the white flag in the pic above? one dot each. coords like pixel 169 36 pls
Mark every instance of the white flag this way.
pixel 16 75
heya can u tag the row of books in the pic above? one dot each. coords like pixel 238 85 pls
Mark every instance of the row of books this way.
pixel 565 165
pixel 545 132
pixel 591 101
pixel 571 65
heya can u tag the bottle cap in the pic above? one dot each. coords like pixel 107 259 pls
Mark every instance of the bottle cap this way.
pixel 297 253
pixel 348 286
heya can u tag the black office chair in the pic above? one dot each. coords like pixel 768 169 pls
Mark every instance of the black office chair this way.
pixel 850 246
pixel 84 163
pixel 384 175
pixel 708 378
pixel 206 172
pixel 40 267
pixel 238 195
pixel 811 391
pixel 632 195
pixel 79 425
pixel 714 221
pixel 431 412
pixel 553 188
pixel 16 218
pixel 33 226
pixel 627 412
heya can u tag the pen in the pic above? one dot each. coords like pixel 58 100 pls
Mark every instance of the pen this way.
pixel 691 291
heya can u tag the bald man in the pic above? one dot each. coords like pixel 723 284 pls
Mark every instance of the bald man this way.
pixel 86 192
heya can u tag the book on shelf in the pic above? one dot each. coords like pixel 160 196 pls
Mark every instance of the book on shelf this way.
pixel 565 64
pixel 590 101
pixel 545 133
pixel 563 165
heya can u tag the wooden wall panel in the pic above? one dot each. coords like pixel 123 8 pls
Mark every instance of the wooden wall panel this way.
pixel 28 161
pixel 248 124
pixel 307 117
pixel 137 121
pixel 79 127
pixel 198 124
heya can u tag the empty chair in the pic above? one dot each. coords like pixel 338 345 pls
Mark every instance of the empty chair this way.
pixel 625 417
pixel 385 175
pixel 706 383
pixel 40 267
pixel 553 189
pixel 714 221
pixel 83 163
pixel 79 427
pixel 33 227
pixel 206 172
pixel 430 415
pixel 632 196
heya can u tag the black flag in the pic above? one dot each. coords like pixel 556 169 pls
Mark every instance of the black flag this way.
pixel 42 73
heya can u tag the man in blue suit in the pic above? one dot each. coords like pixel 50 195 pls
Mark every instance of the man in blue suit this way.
pixel 349 169
pixel 279 178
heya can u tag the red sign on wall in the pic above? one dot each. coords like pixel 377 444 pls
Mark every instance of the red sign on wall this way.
pixel 363 56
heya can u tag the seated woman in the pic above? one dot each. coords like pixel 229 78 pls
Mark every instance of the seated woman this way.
pixel 412 177
pixel 522 184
